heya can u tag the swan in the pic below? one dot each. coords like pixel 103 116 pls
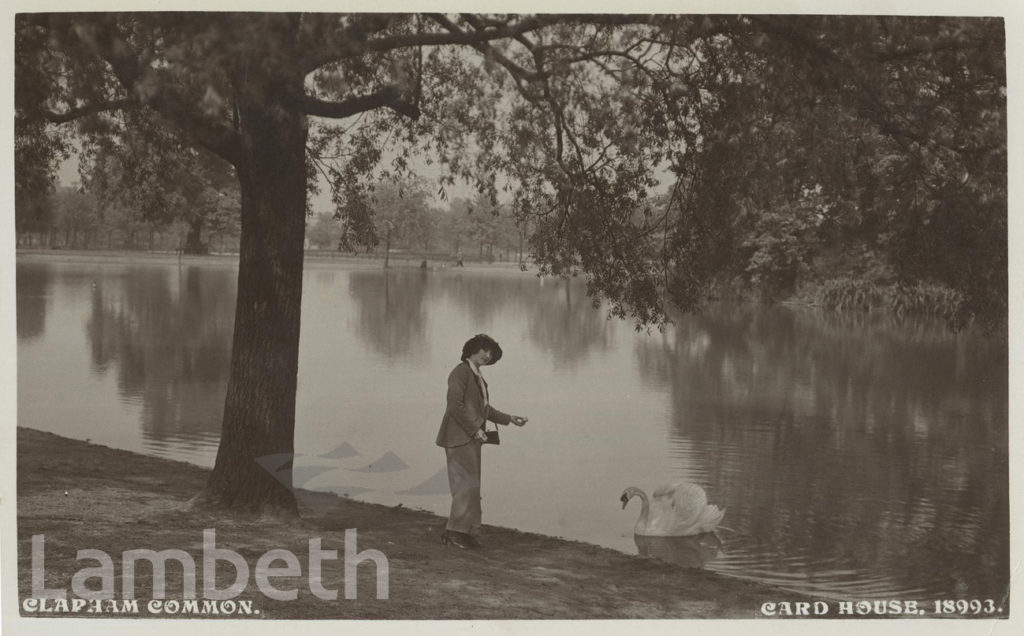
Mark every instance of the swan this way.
pixel 676 510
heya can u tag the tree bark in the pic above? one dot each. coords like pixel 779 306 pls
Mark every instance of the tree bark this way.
pixel 259 411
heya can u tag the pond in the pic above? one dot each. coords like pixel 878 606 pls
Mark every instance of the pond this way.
pixel 857 456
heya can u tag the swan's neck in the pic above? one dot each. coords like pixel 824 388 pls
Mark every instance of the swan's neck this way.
pixel 645 507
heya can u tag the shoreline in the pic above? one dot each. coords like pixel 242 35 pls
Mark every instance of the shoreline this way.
pixel 312 259
pixel 80 495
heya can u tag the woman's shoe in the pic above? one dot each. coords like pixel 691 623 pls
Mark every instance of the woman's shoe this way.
pixel 456 539
pixel 459 539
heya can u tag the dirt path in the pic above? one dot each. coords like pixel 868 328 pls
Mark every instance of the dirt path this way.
pixel 84 496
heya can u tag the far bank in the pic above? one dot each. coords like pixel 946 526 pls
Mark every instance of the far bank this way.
pixel 313 258
pixel 825 290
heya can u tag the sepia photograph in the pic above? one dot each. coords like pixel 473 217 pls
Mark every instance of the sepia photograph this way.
pixel 531 317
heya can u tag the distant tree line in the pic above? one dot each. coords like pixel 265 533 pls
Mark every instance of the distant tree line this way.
pixel 88 217
pixel 141 188
pixel 72 218
pixel 404 217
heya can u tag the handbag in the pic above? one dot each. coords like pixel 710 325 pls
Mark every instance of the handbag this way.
pixel 492 436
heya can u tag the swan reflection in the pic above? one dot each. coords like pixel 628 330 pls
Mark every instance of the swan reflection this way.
pixel 689 552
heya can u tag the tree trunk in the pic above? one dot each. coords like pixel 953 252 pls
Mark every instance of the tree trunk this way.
pixel 259 411
pixel 193 242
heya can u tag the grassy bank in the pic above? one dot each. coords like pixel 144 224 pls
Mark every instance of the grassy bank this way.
pixel 84 496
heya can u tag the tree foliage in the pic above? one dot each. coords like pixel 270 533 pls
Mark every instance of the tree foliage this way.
pixel 898 127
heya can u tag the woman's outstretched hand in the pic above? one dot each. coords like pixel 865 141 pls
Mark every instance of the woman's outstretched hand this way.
pixel 518 420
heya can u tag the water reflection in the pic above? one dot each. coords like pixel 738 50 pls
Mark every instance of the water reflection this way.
pixel 391 314
pixel 870 441
pixel 689 552
pixel 34 294
pixel 563 322
pixel 393 310
pixel 169 333
pixel 484 297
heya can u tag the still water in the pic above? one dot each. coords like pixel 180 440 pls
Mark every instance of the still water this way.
pixel 856 456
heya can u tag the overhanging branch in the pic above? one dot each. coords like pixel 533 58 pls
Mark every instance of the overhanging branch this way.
pixel 485 48
pixel 386 97
pixel 352 47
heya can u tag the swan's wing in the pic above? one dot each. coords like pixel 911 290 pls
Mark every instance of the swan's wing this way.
pixel 691 493
pixel 681 492
pixel 677 507
pixel 710 518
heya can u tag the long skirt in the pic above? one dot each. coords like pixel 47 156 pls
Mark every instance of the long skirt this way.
pixel 464 482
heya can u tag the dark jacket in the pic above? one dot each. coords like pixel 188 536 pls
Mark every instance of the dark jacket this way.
pixel 464 413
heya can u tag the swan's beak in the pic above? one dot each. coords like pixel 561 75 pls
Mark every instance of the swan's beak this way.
pixel 625 500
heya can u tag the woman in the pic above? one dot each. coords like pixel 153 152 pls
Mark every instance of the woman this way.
pixel 462 436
